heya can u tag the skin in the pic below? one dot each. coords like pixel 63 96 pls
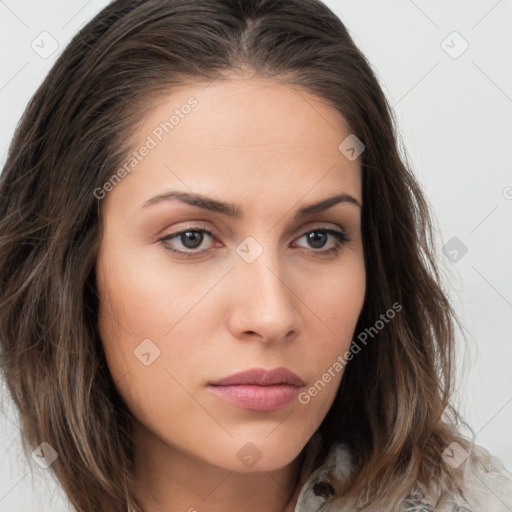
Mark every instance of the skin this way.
pixel 270 148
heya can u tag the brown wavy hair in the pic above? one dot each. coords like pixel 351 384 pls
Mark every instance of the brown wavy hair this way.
pixel 70 141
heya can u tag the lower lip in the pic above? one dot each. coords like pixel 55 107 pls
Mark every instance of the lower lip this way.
pixel 257 398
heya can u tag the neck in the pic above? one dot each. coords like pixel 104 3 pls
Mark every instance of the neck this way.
pixel 173 480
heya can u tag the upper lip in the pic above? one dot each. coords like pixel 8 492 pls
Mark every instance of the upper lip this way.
pixel 261 377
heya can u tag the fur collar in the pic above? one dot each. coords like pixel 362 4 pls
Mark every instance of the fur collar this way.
pixel 487 487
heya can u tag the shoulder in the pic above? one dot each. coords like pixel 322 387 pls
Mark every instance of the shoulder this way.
pixel 484 486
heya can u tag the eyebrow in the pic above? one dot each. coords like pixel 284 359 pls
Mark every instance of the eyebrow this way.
pixel 234 211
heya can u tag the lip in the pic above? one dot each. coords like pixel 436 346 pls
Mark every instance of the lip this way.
pixel 259 389
pixel 261 377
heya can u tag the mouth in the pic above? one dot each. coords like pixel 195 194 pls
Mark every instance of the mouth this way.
pixel 259 389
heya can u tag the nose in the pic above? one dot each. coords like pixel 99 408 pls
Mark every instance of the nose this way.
pixel 264 305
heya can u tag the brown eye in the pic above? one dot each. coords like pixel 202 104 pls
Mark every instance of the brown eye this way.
pixel 317 239
pixel 193 238
pixel 190 239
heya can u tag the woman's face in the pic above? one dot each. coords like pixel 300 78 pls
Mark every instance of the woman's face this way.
pixel 265 289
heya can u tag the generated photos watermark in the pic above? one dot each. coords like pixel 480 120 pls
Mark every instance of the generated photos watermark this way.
pixel 151 142
pixel 305 396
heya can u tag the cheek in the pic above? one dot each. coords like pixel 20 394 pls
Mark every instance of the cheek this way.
pixel 336 302
pixel 139 296
pixel 148 326
pixel 130 315
pixel 136 312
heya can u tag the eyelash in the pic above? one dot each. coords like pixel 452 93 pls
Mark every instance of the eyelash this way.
pixel 341 239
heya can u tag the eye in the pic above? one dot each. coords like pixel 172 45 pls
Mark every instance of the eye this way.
pixel 317 239
pixel 193 237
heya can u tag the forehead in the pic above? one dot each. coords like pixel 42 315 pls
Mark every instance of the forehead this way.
pixel 242 137
pixel 245 112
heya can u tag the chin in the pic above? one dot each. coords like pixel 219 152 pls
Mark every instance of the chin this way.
pixel 260 454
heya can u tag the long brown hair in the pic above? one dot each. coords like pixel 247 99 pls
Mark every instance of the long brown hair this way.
pixel 72 139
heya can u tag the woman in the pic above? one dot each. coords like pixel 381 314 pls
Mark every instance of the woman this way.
pixel 217 274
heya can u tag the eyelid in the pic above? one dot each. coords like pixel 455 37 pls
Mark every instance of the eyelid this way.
pixel 192 227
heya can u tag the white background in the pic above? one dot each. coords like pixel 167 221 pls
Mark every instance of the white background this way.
pixel 454 115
